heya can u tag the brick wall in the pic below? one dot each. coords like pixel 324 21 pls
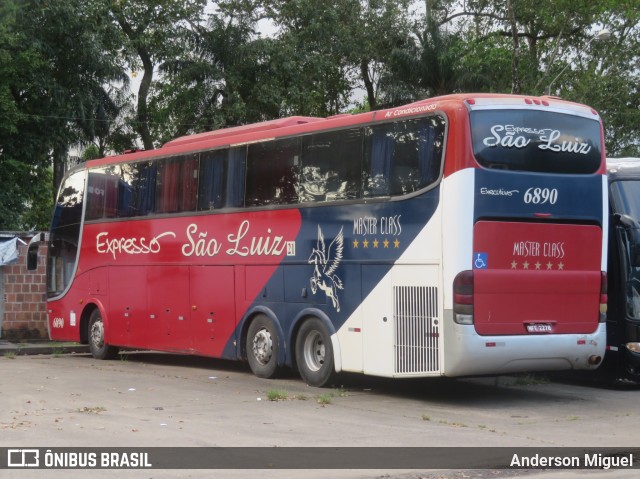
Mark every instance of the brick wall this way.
pixel 24 296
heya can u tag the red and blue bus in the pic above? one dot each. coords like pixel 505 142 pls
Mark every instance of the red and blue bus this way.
pixel 459 235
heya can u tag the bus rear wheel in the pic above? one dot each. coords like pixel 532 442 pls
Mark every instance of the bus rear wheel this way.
pixel 97 345
pixel 314 353
pixel 262 347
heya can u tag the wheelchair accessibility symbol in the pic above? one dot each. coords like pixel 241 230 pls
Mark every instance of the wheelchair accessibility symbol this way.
pixel 480 261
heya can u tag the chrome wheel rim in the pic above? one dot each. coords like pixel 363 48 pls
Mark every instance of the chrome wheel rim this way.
pixel 97 334
pixel 262 346
pixel 314 351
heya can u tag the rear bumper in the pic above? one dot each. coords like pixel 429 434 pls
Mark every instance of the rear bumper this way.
pixel 467 353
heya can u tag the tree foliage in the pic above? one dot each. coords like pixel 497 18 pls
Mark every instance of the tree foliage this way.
pixel 153 33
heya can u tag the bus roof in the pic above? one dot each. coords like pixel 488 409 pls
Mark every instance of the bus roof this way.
pixel 243 129
pixel 239 135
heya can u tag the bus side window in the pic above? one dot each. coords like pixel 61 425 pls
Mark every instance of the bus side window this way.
pixel 331 166
pixel 213 177
pixel 95 195
pixel 416 163
pixel 136 191
pixel 402 157
pixel 236 177
pixel 430 150
pixel 273 172
pixel 379 151
pixel 176 184
pixel 189 183
pixel 102 193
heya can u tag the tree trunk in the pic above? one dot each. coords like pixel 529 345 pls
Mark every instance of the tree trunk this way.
pixel 516 84
pixel 59 167
pixel 368 84
pixel 143 94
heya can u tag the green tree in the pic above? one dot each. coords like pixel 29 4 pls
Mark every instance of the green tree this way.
pixel 533 33
pixel 427 67
pixel 318 56
pixel 212 83
pixel 23 151
pixel 607 76
pixel 107 124
pixel 55 63
pixel 312 60
pixel 154 31
pixel 382 27
pixel 527 47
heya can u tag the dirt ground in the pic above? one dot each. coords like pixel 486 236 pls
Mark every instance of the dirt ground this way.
pixel 160 400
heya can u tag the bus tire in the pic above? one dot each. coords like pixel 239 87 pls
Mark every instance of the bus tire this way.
pixel 95 335
pixel 262 347
pixel 314 353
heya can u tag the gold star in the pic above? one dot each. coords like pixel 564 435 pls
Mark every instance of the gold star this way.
pixel 375 243
pixel 561 265
pixel 365 243
pixel 386 243
pixel 396 243
pixel 538 265
pixel 525 265
pixel 549 265
pixel 355 243
pixel 514 265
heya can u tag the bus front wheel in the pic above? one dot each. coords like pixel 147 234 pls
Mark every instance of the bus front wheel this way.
pixel 97 345
pixel 314 353
pixel 262 347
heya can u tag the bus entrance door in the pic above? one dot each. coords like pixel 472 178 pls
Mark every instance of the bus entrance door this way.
pixel 168 306
pixel 212 308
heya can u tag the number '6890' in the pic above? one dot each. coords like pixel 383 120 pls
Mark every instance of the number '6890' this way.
pixel 540 196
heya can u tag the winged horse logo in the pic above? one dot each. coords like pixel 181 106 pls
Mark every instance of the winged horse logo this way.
pixel 326 262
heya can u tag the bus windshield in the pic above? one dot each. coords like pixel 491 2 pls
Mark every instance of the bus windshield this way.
pixel 625 198
pixel 626 201
pixel 65 234
pixel 537 141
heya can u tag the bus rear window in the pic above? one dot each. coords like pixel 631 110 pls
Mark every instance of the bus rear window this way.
pixel 534 140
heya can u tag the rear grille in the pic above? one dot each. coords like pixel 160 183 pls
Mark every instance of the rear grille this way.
pixel 415 316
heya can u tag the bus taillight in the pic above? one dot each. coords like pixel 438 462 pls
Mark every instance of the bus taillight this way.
pixel 603 296
pixel 463 298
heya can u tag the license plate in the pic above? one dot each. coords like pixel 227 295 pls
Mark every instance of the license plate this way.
pixel 539 328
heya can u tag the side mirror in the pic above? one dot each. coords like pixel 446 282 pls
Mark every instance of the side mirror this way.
pixel 32 251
